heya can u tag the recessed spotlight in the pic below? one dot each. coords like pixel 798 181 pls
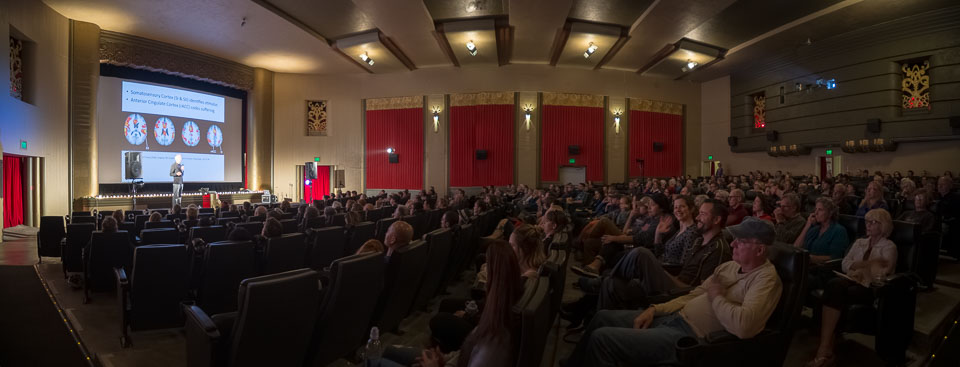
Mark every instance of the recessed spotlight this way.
pixel 471 48
pixel 366 58
pixel 590 50
pixel 690 65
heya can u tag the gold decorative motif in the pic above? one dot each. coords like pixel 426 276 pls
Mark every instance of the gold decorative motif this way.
pixel 569 99
pixel 759 111
pixel 647 105
pixel 482 98
pixel 394 103
pixel 317 118
pixel 142 53
pixel 16 68
pixel 915 85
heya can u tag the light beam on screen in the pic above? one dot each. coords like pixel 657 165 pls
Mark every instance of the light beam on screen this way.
pixel 281 62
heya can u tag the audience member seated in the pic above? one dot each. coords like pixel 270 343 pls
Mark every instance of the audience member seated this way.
pixel 271 228
pixel 763 207
pixel 737 210
pixel 869 259
pixel 400 212
pixel 822 236
pixel 839 196
pixel 192 212
pixel 873 199
pixel 921 214
pixel 948 208
pixel 789 221
pixel 371 246
pixel 553 224
pixel 239 234
pixel 118 216
pixel 311 219
pixel 155 217
pixel 642 234
pixel 738 298
pixel 398 235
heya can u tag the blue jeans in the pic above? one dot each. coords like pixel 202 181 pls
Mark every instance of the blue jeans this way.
pixel 611 340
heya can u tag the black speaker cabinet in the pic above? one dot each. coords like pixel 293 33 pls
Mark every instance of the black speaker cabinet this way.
pixel 732 141
pixel 772 135
pixel 657 146
pixel 132 165
pixel 873 125
pixel 955 122
pixel 394 158
pixel 573 149
pixel 481 154
pixel 310 170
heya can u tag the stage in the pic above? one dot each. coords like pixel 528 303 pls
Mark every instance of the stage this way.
pixel 163 201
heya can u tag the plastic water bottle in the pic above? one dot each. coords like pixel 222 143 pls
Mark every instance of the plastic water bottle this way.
pixel 373 351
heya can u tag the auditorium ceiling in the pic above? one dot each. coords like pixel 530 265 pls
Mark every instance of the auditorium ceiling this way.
pixel 674 39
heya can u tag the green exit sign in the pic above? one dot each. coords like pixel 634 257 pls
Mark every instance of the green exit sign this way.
pixel 829 151
pixel 572 161
pixel 23 144
pixel 316 159
pixel 710 157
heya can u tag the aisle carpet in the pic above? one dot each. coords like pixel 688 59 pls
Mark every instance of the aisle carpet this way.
pixel 31 331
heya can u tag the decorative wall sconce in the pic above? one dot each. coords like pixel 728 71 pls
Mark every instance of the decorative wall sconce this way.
pixel 436 119
pixel 616 120
pixel 527 109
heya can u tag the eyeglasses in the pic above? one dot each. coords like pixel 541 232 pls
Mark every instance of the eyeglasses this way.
pixel 874 222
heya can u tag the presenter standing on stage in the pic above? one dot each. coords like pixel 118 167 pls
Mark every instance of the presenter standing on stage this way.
pixel 176 171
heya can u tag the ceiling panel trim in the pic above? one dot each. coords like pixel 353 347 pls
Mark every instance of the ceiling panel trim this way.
pixel 290 18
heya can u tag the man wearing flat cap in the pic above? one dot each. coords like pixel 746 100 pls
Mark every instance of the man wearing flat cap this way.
pixel 738 298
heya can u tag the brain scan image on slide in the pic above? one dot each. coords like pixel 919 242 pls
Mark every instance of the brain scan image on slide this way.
pixel 190 134
pixel 215 138
pixel 164 131
pixel 135 129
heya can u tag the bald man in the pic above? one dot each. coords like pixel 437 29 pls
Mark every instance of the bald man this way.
pixel 398 236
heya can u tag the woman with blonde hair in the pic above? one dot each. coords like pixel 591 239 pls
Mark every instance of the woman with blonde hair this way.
pixel 872 199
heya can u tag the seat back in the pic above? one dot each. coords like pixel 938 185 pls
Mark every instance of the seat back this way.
pixel 372 215
pixel 224 220
pixel 403 273
pixel 158 283
pixel 209 234
pixel 83 219
pixel 791 264
pixel 257 218
pixel 852 224
pixel 225 264
pixel 438 243
pixel 382 226
pixel 326 245
pixel 140 220
pixel 387 211
pixel 252 227
pixel 340 220
pixel 359 234
pixel 289 225
pixel 107 251
pixel 156 236
pixel 206 210
pixel 555 269
pixel 131 229
pixel 78 236
pixel 461 244
pixel 415 222
pixel 343 317
pixel 284 253
pixel 275 319
pixel 906 236
pixel 51 232
pixel 160 224
pixel 433 219
pixel 535 323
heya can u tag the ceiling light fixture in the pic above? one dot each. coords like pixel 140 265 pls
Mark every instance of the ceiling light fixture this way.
pixel 367 59
pixel 590 50
pixel 471 48
pixel 690 65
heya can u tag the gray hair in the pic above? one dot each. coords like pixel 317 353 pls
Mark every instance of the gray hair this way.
pixel 830 207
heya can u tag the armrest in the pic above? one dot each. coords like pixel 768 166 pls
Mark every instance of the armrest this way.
pixel 834 264
pixel 673 269
pixel 203 337
pixel 720 337
pixel 123 293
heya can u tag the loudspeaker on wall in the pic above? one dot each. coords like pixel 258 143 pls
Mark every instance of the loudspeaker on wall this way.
pixel 772 135
pixel 393 158
pixel 955 122
pixel 132 165
pixel 873 125
pixel 481 154
pixel 573 149
pixel 657 146
pixel 732 141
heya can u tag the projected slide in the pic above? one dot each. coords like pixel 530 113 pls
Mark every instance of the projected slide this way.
pixel 157 100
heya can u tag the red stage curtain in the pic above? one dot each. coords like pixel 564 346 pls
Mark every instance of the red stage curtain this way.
pixel 318 187
pixel 402 130
pixel 12 192
pixel 647 128
pixel 570 125
pixel 487 127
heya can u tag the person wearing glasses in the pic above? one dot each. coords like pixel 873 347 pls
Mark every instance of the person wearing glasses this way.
pixel 789 222
pixel 869 260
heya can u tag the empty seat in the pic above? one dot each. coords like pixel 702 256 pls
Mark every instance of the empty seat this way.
pixel 288 225
pixel 905 235
pixel 80 214
pixel 438 243
pixel 272 327
pixel 131 229
pixel 284 253
pixel 252 227
pixel 225 264
pixel 344 314
pixel 150 295
pixel 403 273
pixel 140 220
pixel 160 224
pixel 50 235
pixel 223 221
pixel 209 234
pixel 156 236
pixel 77 237
pixel 358 235
pixel 382 226
pixel 433 219
pixel 83 219
pixel 106 251
pixel 325 245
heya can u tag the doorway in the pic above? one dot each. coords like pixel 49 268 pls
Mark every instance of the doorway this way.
pixel 573 175
pixel 315 189
pixel 709 168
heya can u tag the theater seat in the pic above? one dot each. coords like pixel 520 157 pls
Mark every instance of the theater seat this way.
pixel 535 322
pixel 106 251
pixel 358 235
pixel 288 225
pixel 769 347
pixel 852 224
pixel 209 234
pixel 155 236
pixel 49 237
pixel 372 215
pixel 225 220
pixel 151 294
pixel 403 273
pixel 343 317
pixel 325 245
pixel 253 227
pixel 438 243
pixel 225 264
pixel 458 253
pixel 272 326
pixel 160 224
pixel 284 253
pixel 382 226
pixel 78 236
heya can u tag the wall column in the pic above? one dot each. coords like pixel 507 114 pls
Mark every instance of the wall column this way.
pixel 260 131
pixel 615 149
pixel 528 141
pixel 84 77
pixel 436 146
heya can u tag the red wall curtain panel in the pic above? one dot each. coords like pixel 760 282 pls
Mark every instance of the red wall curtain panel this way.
pixel 12 192
pixel 318 187
pixel 571 125
pixel 646 128
pixel 481 127
pixel 402 130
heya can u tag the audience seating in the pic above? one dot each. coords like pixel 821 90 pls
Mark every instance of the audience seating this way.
pixel 403 273
pixel 106 251
pixel 458 254
pixel 358 235
pixel 140 220
pixel 150 296
pixel 49 237
pixel 769 348
pixel 157 236
pixel 257 218
pixel 288 225
pixel 272 326
pixel 438 243
pixel 71 253
pixel 160 224
pixel 339 220
pixel 209 234
pixel 372 215
pixel 252 227
pixel 325 245
pixel 382 226
pixel 84 219
pixel 284 253
pixel 853 226
pixel 433 219
pixel 226 220
pixel 225 264
pixel 536 319
pixel 343 319
pixel 387 212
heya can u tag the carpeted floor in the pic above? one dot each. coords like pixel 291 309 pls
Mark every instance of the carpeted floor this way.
pixel 31 331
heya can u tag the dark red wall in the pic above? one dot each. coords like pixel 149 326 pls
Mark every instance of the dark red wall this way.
pixel 563 126
pixel 488 127
pixel 402 130
pixel 647 128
